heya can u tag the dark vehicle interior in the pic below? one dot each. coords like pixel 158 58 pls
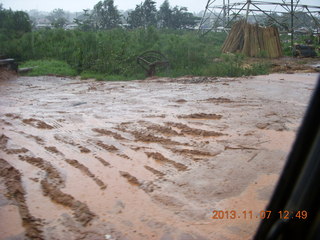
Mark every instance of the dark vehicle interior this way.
pixel 297 193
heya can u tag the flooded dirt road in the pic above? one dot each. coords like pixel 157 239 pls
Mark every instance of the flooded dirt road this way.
pixel 143 159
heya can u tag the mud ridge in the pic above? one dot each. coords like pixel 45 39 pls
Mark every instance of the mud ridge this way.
pixel 12 115
pixel 218 100
pixel 38 139
pixel 52 173
pixel 87 172
pixel 69 141
pixel 202 116
pixel 50 188
pixel 185 129
pixel 124 156
pixel 80 210
pixel 108 133
pixel 131 179
pixel 3 146
pixel 193 152
pixel 109 148
pixel 163 130
pixel 37 123
pixel 154 171
pixel 12 178
pixel 147 137
pixel 65 140
pixel 53 149
pixel 160 158
pixel 104 162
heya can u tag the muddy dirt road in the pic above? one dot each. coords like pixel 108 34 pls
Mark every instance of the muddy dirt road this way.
pixel 143 159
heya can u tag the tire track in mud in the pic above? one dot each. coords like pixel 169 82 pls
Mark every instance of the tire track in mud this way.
pixel 51 185
pixel 13 182
pixel 87 172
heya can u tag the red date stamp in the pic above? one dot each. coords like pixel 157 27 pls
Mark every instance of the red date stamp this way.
pixel 264 214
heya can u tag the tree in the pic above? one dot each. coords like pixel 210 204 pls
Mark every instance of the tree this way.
pixel 144 15
pixel 135 17
pixel 149 13
pixel 106 15
pixel 17 22
pixel 85 21
pixel 58 18
pixel 165 15
pixel 182 19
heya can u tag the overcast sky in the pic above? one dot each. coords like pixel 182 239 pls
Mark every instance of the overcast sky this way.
pixel 79 5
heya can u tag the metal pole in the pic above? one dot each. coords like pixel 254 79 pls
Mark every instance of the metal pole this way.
pixel 224 13
pixel 248 8
pixel 292 31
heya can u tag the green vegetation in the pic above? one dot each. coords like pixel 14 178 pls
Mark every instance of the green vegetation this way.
pixel 112 53
pixel 49 67
pixel 108 52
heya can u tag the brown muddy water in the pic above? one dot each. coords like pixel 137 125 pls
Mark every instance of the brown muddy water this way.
pixel 145 159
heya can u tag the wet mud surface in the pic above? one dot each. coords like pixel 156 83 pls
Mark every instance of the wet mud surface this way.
pixel 145 159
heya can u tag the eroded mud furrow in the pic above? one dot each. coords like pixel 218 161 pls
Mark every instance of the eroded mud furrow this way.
pixel 12 179
pixel 160 158
pixel 87 172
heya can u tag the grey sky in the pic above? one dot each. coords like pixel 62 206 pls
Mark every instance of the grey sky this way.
pixel 79 5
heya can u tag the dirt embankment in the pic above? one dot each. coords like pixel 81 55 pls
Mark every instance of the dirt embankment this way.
pixel 143 159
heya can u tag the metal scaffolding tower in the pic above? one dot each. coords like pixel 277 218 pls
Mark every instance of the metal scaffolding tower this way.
pixel 219 17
